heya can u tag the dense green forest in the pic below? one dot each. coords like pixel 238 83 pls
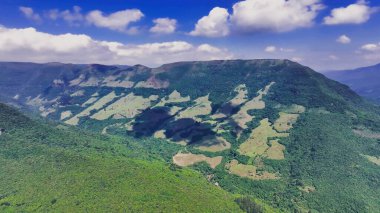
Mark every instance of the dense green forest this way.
pixel 44 168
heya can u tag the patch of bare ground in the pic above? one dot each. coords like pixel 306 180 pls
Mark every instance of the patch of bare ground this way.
pixel 367 133
pixel 249 171
pixel 307 189
pixel 373 159
pixel 126 107
pixel 257 143
pixel 243 117
pixel 188 159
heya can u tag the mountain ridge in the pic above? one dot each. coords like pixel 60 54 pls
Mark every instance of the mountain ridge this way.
pixel 363 80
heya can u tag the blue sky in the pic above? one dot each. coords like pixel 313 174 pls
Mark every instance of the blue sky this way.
pixel 322 34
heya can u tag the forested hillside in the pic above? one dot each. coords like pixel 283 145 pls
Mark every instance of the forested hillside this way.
pixel 61 169
pixel 272 131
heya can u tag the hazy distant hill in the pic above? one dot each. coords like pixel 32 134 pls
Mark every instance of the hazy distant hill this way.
pixel 273 130
pixel 365 81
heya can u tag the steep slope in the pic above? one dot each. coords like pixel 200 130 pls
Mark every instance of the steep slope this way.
pixel 364 81
pixel 48 169
pixel 271 129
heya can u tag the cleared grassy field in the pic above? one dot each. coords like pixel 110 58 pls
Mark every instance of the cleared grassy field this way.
pixel 285 122
pixel 243 117
pixel 257 143
pixel 126 107
pixel 96 106
pixel 202 106
pixel 248 171
pixel 241 96
pixel 66 114
pixel 275 151
pixel 188 159
pixel 174 97
pixel 373 159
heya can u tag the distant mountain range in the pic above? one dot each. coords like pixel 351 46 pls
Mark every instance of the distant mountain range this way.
pixel 269 135
pixel 365 81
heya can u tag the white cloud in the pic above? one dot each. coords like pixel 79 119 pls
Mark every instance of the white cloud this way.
pixel 118 21
pixel 208 48
pixel 343 39
pixel 274 15
pixel 28 44
pixel 357 13
pixel 30 14
pixel 270 49
pixel 371 47
pixel 215 24
pixel 164 26
pixel 257 16
pixel 370 52
pixel 73 17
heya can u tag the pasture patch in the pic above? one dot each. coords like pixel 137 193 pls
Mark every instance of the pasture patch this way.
pixel 45 111
pixel 126 107
pixel 77 93
pixel 91 82
pixel 295 109
pixel 160 134
pixel 188 159
pixel 174 97
pixel 285 122
pixel 241 96
pixel 66 114
pixel 242 117
pixel 77 81
pixel 257 143
pixel 275 151
pixel 111 81
pixel 96 106
pixel 367 133
pixel 373 159
pixel 89 101
pixel 249 171
pixel 202 106
pixel 307 189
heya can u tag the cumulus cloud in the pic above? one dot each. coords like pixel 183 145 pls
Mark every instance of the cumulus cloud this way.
pixel 258 16
pixel 370 52
pixel 270 49
pixel 343 39
pixel 118 21
pixel 371 47
pixel 164 26
pixel 274 15
pixel 215 24
pixel 73 17
pixel 357 13
pixel 29 13
pixel 28 44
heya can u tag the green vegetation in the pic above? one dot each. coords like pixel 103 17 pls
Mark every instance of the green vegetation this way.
pixel 302 144
pixel 43 168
